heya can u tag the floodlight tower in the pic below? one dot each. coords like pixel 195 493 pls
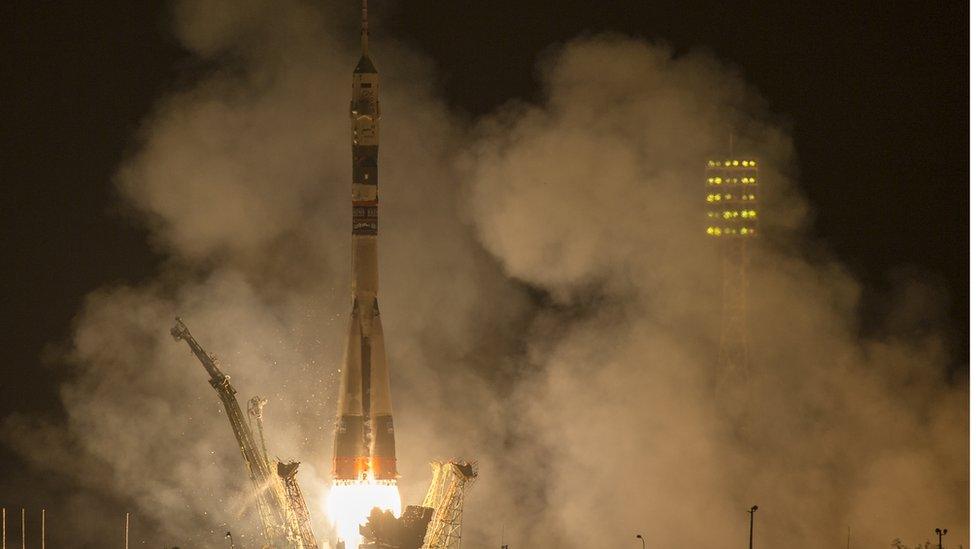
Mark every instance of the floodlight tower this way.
pixel 731 219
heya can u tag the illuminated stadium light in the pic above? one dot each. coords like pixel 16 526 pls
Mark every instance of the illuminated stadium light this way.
pixel 731 218
pixel 731 214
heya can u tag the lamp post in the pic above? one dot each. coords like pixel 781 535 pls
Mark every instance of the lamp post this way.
pixel 752 514
pixel 941 532
pixel 643 545
pixel 230 536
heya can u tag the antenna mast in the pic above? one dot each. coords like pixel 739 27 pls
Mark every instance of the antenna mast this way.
pixel 364 33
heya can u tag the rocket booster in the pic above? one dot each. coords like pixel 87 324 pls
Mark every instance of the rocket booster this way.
pixel 364 442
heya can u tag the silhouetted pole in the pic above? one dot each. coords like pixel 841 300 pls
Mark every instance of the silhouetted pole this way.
pixel 643 545
pixel 43 532
pixel 941 532
pixel 23 528
pixel 752 514
pixel 4 528
pixel 231 538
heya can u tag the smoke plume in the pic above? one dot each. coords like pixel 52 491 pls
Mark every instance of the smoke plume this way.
pixel 550 302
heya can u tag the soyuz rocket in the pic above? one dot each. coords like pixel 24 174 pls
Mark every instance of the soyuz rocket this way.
pixel 364 443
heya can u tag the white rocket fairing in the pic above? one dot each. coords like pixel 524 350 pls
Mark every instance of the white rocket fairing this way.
pixel 364 443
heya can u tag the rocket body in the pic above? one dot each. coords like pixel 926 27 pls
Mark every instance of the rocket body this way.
pixel 364 443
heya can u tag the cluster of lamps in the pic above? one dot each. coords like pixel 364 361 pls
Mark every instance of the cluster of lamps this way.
pixel 732 163
pixel 732 180
pixel 731 214
pixel 719 197
pixel 730 231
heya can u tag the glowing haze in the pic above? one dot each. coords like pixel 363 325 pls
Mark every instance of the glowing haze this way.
pixel 350 502
pixel 550 306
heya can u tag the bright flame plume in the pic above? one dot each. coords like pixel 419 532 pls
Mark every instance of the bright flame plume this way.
pixel 349 502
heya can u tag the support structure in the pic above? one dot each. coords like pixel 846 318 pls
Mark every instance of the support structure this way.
pixel 446 497
pixel 732 220
pixel 288 472
pixel 255 409
pixel 284 514
pixel 752 520
pixel 270 505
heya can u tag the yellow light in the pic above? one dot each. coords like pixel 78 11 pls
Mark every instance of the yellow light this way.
pixel 735 162
pixel 348 505
pixel 711 164
pixel 727 163
pixel 728 197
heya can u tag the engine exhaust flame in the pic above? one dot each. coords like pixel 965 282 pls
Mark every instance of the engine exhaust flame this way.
pixel 349 502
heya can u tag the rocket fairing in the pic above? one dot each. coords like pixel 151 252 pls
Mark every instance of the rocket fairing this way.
pixel 364 443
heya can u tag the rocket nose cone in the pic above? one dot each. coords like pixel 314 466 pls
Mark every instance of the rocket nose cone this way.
pixel 365 66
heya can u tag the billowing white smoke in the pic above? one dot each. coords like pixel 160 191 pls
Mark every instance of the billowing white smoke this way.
pixel 549 299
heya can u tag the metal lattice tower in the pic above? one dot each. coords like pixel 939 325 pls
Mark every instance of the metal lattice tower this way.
pixel 281 506
pixel 270 502
pixel 288 472
pixel 731 214
pixel 446 497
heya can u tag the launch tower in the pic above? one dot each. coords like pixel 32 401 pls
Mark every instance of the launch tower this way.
pixel 731 219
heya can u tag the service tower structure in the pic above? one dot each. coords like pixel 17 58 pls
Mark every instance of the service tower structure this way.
pixel 364 447
pixel 732 219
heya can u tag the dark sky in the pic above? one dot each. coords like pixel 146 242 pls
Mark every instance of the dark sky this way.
pixel 876 95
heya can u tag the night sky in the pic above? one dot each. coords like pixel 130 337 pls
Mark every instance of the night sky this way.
pixel 875 95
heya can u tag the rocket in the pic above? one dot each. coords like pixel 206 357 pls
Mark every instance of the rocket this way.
pixel 364 443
